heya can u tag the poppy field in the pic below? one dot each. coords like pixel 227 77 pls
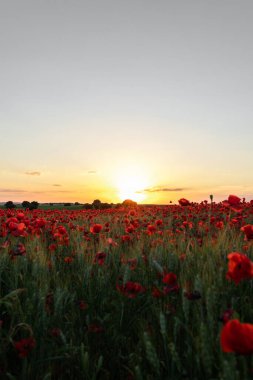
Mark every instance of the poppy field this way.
pixel 145 292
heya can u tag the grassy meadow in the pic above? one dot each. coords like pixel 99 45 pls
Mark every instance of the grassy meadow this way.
pixel 130 293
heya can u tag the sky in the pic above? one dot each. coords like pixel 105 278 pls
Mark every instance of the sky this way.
pixel 112 99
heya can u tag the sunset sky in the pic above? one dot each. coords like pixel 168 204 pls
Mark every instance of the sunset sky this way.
pixel 112 99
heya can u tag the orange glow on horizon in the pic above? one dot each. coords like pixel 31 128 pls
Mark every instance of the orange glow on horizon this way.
pixel 131 184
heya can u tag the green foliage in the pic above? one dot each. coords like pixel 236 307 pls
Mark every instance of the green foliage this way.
pixel 9 205
pixel 86 327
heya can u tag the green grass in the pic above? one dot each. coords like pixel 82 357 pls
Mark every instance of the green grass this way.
pixel 113 336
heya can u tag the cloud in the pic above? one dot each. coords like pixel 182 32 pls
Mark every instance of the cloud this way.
pixel 20 191
pixel 14 191
pixel 56 185
pixel 161 189
pixel 92 172
pixel 50 191
pixel 32 173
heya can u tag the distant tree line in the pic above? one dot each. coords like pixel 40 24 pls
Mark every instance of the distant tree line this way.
pixel 27 205
pixel 95 205
pixel 30 205
pixel 98 205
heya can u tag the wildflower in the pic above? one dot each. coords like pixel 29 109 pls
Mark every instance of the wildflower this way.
pixel 220 225
pixel 183 202
pixel 24 346
pixel 96 228
pixel 111 242
pixel 237 337
pixel 100 258
pixel 18 250
pixel 151 229
pixel 248 230
pixel 125 238
pixel 130 229
pixel 239 268
pixel 20 215
pixel 233 200
pixel 131 289
pixel 68 259
pixel 170 279
pixel 156 293
pixel 52 247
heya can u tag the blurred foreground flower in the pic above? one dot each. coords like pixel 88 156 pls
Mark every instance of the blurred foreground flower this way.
pixel 239 268
pixel 237 337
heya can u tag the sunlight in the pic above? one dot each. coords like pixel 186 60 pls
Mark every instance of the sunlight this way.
pixel 130 183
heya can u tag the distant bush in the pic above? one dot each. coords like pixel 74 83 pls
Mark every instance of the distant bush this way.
pixel 10 205
pixel 26 204
pixel 30 205
pixel 87 206
pixel 129 203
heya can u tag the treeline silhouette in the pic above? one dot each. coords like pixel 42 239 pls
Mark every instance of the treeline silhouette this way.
pixel 95 205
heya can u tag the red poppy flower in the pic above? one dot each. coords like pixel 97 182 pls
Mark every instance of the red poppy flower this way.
pixel 96 228
pixel 130 229
pixel 68 259
pixel 233 200
pixel 131 289
pixel 24 346
pixel 170 278
pixel 239 267
pixel 237 337
pixel 183 202
pixel 248 230
pixel 125 238
pixel 100 258
pixel 18 250
pixel 151 229
pixel 156 293
pixel 20 215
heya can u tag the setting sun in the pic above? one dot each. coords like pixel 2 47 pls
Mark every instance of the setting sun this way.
pixel 131 184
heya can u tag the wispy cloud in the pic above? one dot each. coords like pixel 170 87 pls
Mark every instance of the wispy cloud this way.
pixel 32 173
pixel 20 191
pixel 56 185
pixel 14 191
pixel 51 191
pixel 161 189
pixel 92 172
